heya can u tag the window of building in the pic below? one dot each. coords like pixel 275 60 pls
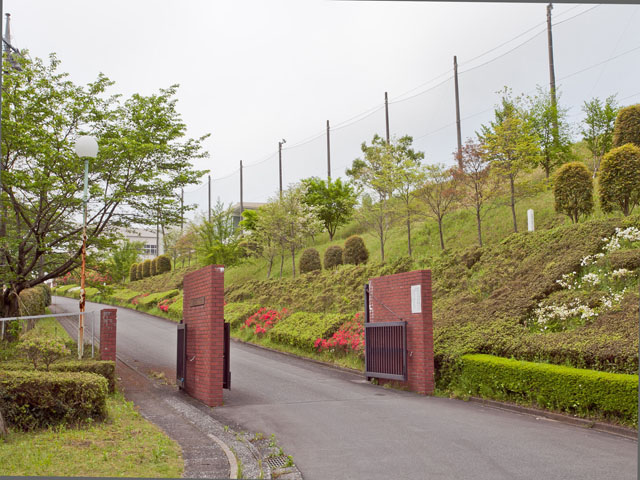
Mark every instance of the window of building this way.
pixel 149 249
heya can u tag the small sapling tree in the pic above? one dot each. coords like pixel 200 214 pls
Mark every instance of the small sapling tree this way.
pixel 620 179
pixel 573 190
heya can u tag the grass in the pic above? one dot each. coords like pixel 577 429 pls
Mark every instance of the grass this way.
pixel 49 328
pixel 124 445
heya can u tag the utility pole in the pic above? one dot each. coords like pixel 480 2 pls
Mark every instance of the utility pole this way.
pixel 386 113
pixel 328 153
pixel 552 73
pixel 241 192
pixel 209 199
pixel 280 162
pixel 458 129
pixel 2 225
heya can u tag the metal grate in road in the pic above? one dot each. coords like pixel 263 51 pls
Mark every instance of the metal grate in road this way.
pixel 277 462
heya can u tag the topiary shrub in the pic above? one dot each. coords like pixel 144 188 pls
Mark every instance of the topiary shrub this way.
pixel 146 268
pixel 140 276
pixel 154 267
pixel 333 257
pixel 310 261
pixel 573 190
pixel 133 272
pixel 32 302
pixel 355 252
pixel 41 350
pixel 620 179
pixel 164 264
pixel 627 128
pixel 46 293
pixel 36 399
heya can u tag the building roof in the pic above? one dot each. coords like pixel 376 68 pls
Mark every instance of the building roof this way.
pixel 247 206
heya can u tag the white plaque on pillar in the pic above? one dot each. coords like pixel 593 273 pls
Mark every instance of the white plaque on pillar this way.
pixel 416 299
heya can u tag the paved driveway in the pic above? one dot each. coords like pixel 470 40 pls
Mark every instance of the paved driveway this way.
pixel 337 426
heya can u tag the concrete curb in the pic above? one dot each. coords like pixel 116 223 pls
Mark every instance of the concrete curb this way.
pixel 618 430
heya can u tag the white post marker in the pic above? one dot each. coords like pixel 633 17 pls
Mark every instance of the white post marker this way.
pixel 530 220
pixel 416 299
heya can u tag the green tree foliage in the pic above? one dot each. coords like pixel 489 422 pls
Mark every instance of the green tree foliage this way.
pixel 164 264
pixel 133 272
pixel 310 261
pixel 266 237
pixel 218 241
pixel 144 158
pixel 121 257
pixel 355 251
pixel 598 126
pixel 619 179
pixel 627 127
pixel 333 202
pixel 333 257
pixel 511 144
pixel 146 268
pixel 154 267
pixel 549 122
pixel 439 194
pixel 573 190
pixel 476 186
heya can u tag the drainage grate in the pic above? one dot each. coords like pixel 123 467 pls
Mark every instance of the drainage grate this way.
pixel 277 462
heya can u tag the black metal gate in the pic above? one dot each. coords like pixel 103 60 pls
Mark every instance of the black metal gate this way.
pixel 226 379
pixel 181 361
pixel 385 352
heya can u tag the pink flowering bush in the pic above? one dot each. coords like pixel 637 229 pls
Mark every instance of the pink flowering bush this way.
pixel 263 320
pixel 166 303
pixel 348 338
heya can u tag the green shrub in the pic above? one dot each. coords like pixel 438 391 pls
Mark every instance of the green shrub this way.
pixel 355 251
pixel 164 264
pixel 31 302
pixel 104 368
pixel 572 390
pixel 150 301
pixel 310 261
pixel 63 288
pixel 236 313
pixel 140 275
pixel 35 399
pixel 154 267
pixel 627 128
pixel 46 292
pixel 40 350
pixel 620 179
pixel 333 257
pixel 573 190
pixel 124 295
pixel 629 259
pixel 175 309
pixel 302 329
pixel 146 268
pixel 133 272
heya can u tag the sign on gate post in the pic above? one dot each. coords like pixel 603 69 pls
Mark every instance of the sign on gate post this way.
pixel 203 316
pixel 108 324
pixel 401 304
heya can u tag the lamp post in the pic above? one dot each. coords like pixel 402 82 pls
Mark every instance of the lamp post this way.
pixel 86 147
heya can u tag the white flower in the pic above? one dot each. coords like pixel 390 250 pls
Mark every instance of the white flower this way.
pixel 620 273
pixel 591 278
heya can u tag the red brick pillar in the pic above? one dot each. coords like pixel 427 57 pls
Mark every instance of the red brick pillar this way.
pixel 108 322
pixel 393 293
pixel 203 314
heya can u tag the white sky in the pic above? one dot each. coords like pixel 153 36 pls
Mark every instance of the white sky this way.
pixel 252 72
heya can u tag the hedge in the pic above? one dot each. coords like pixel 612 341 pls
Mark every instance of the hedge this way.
pixel 106 369
pixel 302 329
pixel 333 257
pixel 35 399
pixel 133 272
pixel 583 392
pixel 146 268
pixel 124 295
pixel 150 301
pixel 154 267
pixel 175 309
pixel 32 302
pixel 310 261
pixel 237 313
pixel 164 264
pixel 355 251
pixel 63 288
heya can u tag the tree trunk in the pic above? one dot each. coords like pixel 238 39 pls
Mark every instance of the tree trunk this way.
pixel 409 232
pixel 270 265
pixel 547 166
pixel 281 262
pixel 513 202
pixel 331 234
pixel 381 234
pixel 479 222
pixel 293 260
pixel 440 231
pixel 3 427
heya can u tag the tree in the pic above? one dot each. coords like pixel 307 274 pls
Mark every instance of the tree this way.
pixel 476 184
pixel 333 202
pixel 266 232
pixel 620 179
pixel 627 127
pixel 573 190
pixel 511 144
pixel 122 256
pixel 598 127
pixel 548 122
pixel 376 173
pixel 218 241
pixel 143 156
pixel 439 193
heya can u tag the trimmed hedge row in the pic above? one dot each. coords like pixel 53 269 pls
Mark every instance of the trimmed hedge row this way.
pixel 302 329
pixel 583 392
pixel 237 313
pixel 150 301
pixel 36 399
pixel 104 368
pixel 32 301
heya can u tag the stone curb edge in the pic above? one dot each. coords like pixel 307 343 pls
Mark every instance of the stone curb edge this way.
pixel 626 432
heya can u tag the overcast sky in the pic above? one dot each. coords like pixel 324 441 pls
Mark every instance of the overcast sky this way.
pixel 253 72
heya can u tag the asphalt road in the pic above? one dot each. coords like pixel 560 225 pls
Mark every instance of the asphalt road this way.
pixel 338 426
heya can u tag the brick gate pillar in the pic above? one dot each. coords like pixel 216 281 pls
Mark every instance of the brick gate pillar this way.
pixel 203 314
pixel 108 323
pixel 408 296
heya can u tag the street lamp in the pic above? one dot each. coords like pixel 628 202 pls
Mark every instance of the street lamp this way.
pixel 86 147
